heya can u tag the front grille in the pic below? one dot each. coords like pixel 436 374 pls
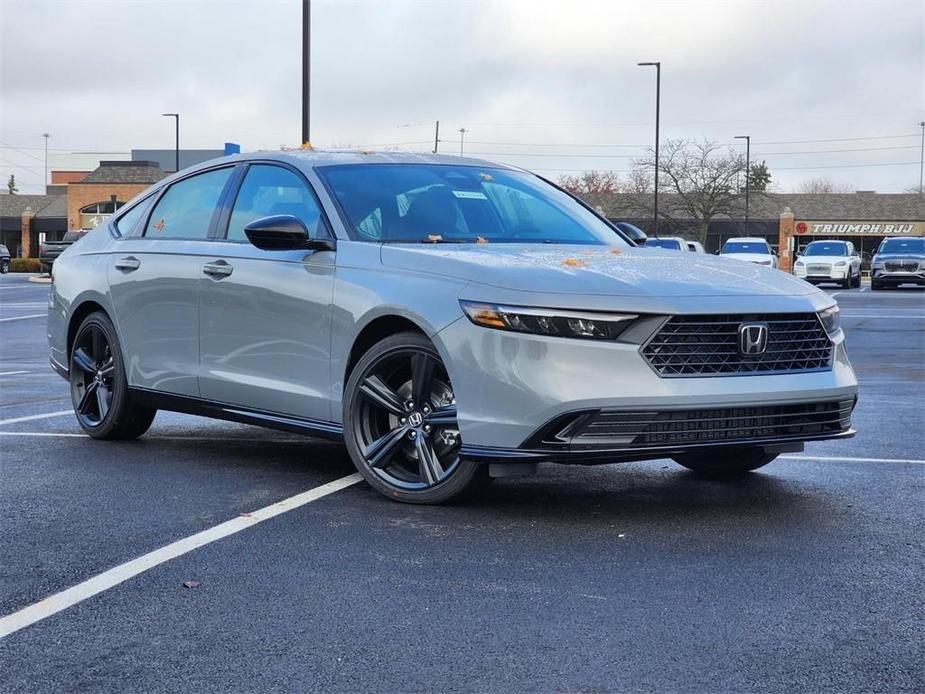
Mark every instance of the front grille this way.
pixel 818 270
pixel 709 345
pixel 901 265
pixel 619 429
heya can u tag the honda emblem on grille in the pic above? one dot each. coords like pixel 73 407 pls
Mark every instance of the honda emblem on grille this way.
pixel 753 339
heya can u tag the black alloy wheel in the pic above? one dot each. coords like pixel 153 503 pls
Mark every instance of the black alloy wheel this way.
pixel 400 423
pixel 99 390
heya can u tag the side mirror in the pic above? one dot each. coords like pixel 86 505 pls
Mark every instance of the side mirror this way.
pixel 284 232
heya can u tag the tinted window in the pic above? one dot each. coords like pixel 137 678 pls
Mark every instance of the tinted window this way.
pixel 746 247
pixel 673 244
pixel 185 210
pixel 916 246
pixel 826 248
pixel 419 202
pixel 129 220
pixel 272 190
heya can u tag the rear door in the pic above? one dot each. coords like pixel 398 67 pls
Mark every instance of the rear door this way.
pixel 154 279
pixel 265 319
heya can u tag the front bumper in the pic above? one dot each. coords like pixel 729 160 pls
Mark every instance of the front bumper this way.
pixel 833 274
pixel 509 385
pixel 882 276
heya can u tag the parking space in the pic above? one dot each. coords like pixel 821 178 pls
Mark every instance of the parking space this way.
pixel 804 576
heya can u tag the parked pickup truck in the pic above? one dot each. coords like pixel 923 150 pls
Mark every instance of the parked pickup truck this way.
pixel 52 249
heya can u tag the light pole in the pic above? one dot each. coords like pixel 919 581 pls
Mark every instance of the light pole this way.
pixel 306 68
pixel 46 136
pixel 462 136
pixel 658 96
pixel 176 146
pixel 748 159
pixel 922 158
pixel 436 137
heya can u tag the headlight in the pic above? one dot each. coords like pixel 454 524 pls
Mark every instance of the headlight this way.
pixel 829 318
pixel 591 325
pixel 841 263
pixel 798 263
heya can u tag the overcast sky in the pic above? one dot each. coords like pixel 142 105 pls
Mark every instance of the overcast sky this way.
pixel 522 77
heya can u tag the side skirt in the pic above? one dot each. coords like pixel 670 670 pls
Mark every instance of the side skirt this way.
pixel 233 413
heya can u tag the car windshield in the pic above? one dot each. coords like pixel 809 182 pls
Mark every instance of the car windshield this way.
pixel 413 203
pixel 674 244
pixel 826 248
pixel 915 246
pixel 745 247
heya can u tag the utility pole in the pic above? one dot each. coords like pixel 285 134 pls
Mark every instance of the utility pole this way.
pixel 748 163
pixel 46 136
pixel 922 158
pixel 436 136
pixel 176 144
pixel 462 136
pixel 306 68
pixel 658 96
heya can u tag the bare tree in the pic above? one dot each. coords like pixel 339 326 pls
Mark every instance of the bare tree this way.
pixel 822 184
pixel 591 183
pixel 700 179
pixel 639 180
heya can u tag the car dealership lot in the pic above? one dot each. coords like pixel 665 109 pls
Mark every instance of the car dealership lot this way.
pixel 807 575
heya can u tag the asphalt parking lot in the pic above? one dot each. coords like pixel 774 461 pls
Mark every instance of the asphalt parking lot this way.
pixel 806 576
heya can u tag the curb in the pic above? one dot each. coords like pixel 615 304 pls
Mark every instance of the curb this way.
pixel 40 279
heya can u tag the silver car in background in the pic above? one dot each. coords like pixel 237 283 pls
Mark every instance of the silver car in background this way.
pixel 898 261
pixel 450 319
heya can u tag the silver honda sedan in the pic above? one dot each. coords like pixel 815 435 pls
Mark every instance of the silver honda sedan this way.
pixel 450 319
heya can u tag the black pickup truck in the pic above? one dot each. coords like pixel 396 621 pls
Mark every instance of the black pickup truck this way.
pixel 52 249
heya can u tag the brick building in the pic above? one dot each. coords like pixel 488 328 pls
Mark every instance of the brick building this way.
pixel 787 220
pixel 104 190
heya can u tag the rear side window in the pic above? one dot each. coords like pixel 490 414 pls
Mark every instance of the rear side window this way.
pixel 268 191
pixel 129 220
pixel 185 210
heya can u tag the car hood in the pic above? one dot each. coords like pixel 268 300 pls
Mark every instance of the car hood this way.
pixel 900 256
pixel 749 257
pixel 589 270
pixel 822 259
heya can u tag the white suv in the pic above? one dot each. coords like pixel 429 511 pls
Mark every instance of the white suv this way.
pixel 829 261
pixel 751 250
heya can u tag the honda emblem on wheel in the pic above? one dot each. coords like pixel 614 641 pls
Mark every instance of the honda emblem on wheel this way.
pixel 753 339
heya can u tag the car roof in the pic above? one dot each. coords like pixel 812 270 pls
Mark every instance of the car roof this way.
pixel 747 239
pixel 312 158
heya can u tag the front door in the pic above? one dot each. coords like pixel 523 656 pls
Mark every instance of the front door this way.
pixel 265 316
pixel 154 281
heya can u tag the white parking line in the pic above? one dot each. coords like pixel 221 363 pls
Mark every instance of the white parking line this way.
pixel 839 459
pixel 13 373
pixel 29 418
pixel 119 574
pixel 36 315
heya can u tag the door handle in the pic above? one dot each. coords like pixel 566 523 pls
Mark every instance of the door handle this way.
pixel 128 264
pixel 218 269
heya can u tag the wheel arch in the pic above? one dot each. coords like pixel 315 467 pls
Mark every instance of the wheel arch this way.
pixel 84 309
pixel 374 331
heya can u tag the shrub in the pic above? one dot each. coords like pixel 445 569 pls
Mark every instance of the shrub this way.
pixel 25 265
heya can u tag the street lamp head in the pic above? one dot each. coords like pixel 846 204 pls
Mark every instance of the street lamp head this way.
pixel 656 64
pixel 742 137
pixel 175 115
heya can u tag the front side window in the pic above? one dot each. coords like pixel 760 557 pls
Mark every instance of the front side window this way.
pixel 273 190
pixel 185 210
pixel 746 247
pixel 411 203
pixel 826 248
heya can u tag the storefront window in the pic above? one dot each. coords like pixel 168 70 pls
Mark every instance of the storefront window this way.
pixel 95 214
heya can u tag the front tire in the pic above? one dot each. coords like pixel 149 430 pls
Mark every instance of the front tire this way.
pixel 727 463
pixel 400 423
pixel 99 388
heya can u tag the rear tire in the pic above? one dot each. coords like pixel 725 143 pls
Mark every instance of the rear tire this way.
pixel 4 267
pixel 400 424
pixel 99 388
pixel 733 462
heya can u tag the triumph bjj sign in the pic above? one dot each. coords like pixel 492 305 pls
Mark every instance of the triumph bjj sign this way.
pixel 861 228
